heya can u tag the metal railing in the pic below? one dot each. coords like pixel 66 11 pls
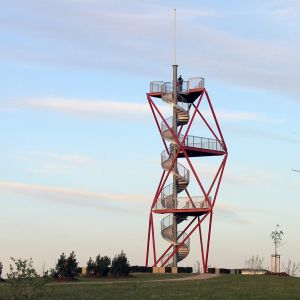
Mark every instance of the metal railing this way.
pixel 196 83
pixel 166 222
pixel 186 244
pixel 155 86
pixel 164 126
pixel 180 239
pixel 180 170
pixel 167 87
pixel 170 202
pixel 167 191
pixel 201 142
pixel 193 141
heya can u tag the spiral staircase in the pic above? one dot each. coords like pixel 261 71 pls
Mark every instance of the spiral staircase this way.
pixel 170 202
pixel 168 199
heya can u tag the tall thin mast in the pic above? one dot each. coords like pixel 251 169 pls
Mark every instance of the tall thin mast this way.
pixel 174 145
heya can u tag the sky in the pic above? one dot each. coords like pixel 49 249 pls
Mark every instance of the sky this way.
pixel 80 153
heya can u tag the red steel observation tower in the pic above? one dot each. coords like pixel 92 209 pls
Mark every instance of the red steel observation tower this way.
pixel 183 212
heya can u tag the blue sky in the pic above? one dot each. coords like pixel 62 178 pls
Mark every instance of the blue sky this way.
pixel 79 149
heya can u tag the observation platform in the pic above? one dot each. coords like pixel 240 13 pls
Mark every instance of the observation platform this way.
pixel 189 91
pixel 196 146
pixel 184 206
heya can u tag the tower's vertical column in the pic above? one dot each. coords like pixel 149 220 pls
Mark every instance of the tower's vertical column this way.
pixel 175 164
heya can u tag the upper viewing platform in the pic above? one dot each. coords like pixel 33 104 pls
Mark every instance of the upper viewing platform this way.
pixel 193 85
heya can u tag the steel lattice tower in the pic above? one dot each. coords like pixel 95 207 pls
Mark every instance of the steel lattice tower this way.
pixel 185 99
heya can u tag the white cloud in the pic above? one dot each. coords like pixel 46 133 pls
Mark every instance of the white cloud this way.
pixel 85 108
pixel 111 109
pixel 287 9
pixel 63 195
pixel 129 30
pixel 230 213
pixel 68 158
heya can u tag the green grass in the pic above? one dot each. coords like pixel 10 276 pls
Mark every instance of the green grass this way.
pixel 141 287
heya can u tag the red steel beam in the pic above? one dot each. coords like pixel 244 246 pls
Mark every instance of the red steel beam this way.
pixel 219 182
pixel 201 245
pixel 208 241
pixel 158 188
pixel 215 118
pixel 148 241
pixel 157 124
pixel 183 241
pixel 216 176
pixel 185 229
pixel 153 240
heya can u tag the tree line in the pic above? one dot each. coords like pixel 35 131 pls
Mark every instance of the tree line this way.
pixel 67 267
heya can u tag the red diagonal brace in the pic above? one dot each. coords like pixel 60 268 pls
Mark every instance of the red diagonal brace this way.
pixel 183 241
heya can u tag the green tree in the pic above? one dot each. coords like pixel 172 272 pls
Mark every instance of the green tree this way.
pixel 120 265
pixel 90 265
pixel 23 280
pixel 72 266
pixel 102 265
pixel 66 267
pixel 60 268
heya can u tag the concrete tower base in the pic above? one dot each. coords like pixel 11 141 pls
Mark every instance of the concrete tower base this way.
pixel 275 263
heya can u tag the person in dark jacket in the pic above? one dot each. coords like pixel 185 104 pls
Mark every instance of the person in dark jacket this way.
pixel 180 83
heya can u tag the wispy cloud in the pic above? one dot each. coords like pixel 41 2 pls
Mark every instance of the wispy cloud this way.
pixel 71 196
pixel 47 162
pixel 287 9
pixel 85 108
pixel 112 109
pixel 129 30
pixel 231 213
pixel 101 201
pixel 263 133
pixel 68 158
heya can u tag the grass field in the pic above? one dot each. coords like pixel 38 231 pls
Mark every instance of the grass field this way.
pixel 142 286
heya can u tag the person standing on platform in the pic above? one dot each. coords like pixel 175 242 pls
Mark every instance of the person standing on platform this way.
pixel 180 83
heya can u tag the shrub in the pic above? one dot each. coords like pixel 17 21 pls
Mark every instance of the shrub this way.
pixel 120 265
pixel 24 282
pixel 140 269
pixel 255 262
pixel 292 268
pixel 1 269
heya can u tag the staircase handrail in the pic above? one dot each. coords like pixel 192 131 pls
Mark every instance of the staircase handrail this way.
pixel 197 202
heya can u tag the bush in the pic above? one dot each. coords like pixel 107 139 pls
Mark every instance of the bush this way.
pixel 140 269
pixel 185 270
pixel 255 262
pixel 1 269
pixel 120 265
pixel 101 267
pixel 24 282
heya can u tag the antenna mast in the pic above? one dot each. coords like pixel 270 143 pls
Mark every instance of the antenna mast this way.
pixel 174 36
pixel 174 145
